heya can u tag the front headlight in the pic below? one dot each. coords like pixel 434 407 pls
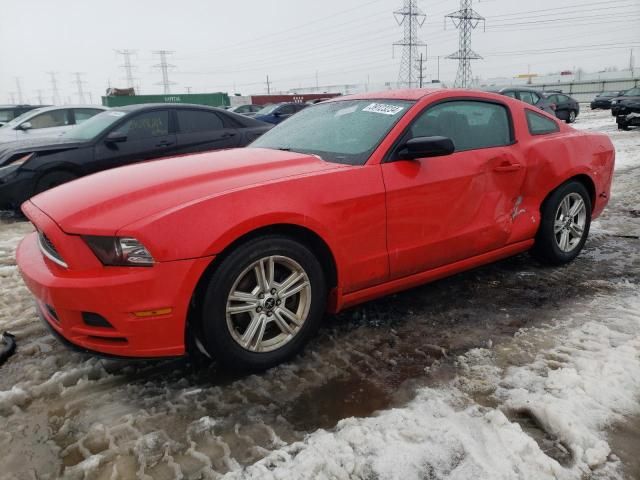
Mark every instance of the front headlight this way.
pixel 14 164
pixel 119 251
pixel 613 102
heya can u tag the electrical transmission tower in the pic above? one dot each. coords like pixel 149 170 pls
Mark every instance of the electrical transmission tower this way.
pixel 465 20
pixel 19 91
pixel 164 69
pixel 79 85
pixel 55 94
pixel 128 68
pixel 39 92
pixel 411 17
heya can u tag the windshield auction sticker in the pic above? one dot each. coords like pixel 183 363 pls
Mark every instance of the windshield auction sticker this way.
pixel 383 108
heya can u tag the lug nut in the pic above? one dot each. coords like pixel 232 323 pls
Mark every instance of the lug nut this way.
pixel 261 295
pixel 259 309
pixel 273 291
pixel 269 314
pixel 278 302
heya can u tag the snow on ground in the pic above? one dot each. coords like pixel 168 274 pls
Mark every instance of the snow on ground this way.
pixel 514 370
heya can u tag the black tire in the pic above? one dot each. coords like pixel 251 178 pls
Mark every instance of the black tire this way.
pixel 218 339
pixel 571 116
pixel 546 247
pixel 53 179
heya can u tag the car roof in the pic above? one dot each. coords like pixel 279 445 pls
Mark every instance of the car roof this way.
pixel 402 94
pixel 62 107
pixel 139 106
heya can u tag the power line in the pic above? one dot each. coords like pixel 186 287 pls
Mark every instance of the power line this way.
pixel 465 20
pixel 128 67
pixel 164 69
pixel 411 17
pixel 55 94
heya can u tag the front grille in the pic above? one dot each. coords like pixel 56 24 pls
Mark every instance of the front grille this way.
pixel 49 251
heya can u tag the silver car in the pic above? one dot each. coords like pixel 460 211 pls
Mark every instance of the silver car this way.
pixel 47 122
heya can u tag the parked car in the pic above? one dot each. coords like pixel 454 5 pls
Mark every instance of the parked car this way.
pixel 565 107
pixel 249 109
pixel 118 137
pixel 618 104
pixel 9 112
pixel 278 112
pixel 239 253
pixel 630 113
pixel 603 100
pixel 527 95
pixel 47 122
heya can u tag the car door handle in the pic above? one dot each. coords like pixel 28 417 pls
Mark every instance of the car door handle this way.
pixel 228 135
pixel 164 143
pixel 507 167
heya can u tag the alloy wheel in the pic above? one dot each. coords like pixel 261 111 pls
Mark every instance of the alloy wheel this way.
pixel 268 303
pixel 570 221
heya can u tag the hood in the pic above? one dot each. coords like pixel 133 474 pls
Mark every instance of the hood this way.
pixel 9 149
pixel 103 203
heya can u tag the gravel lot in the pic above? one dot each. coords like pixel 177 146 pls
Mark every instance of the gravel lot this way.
pixel 513 370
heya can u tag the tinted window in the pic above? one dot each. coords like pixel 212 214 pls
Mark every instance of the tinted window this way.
pixel 470 124
pixel 539 124
pixel 510 94
pixel 529 97
pixel 146 125
pixel 553 98
pixel 83 114
pixel 54 118
pixel 563 98
pixel 192 121
pixel 286 110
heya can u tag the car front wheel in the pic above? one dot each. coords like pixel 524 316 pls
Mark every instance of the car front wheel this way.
pixel 263 303
pixel 564 226
pixel 572 116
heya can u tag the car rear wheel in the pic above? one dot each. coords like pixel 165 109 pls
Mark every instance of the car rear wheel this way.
pixel 263 303
pixel 572 116
pixel 53 179
pixel 564 226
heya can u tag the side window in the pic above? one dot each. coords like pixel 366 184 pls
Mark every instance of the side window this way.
pixel 527 97
pixel 54 118
pixel 535 97
pixel 82 114
pixel 469 124
pixel 193 121
pixel 562 99
pixel 146 125
pixel 553 98
pixel 539 124
pixel 510 94
pixel 286 110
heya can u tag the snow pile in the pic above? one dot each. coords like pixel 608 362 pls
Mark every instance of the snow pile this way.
pixel 574 390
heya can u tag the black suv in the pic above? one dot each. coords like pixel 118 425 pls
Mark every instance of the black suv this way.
pixel 9 112
pixel 619 105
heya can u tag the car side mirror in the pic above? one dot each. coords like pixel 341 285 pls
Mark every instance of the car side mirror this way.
pixel 422 147
pixel 276 114
pixel 25 126
pixel 116 137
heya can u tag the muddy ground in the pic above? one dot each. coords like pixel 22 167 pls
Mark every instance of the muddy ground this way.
pixel 65 414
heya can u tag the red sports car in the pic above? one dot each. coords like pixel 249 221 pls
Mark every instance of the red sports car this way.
pixel 239 253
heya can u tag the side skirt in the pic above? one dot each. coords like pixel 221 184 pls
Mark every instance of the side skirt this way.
pixel 351 299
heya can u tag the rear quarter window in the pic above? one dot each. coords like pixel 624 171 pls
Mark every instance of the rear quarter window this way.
pixel 539 124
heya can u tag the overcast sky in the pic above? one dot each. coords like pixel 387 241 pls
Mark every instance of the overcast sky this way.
pixel 232 45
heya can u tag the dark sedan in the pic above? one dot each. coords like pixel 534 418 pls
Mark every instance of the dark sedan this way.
pixel 619 104
pixel 9 112
pixel 527 95
pixel 278 112
pixel 603 100
pixel 565 107
pixel 115 138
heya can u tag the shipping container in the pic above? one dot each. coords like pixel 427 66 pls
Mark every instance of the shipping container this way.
pixel 217 99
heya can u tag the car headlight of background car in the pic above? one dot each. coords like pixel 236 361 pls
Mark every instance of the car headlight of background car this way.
pixel 14 164
pixel 119 251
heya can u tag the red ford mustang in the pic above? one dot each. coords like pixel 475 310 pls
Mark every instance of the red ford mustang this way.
pixel 239 253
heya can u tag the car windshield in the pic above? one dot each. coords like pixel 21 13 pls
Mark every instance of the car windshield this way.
pixel 347 131
pixel 6 115
pixel 21 118
pixel 608 94
pixel 94 126
pixel 634 92
pixel 268 109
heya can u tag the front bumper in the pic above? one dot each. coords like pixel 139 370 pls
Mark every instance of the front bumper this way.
pixel 117 294
pixel 630 120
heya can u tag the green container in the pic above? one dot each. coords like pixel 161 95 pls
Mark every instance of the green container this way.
pixel 218 99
